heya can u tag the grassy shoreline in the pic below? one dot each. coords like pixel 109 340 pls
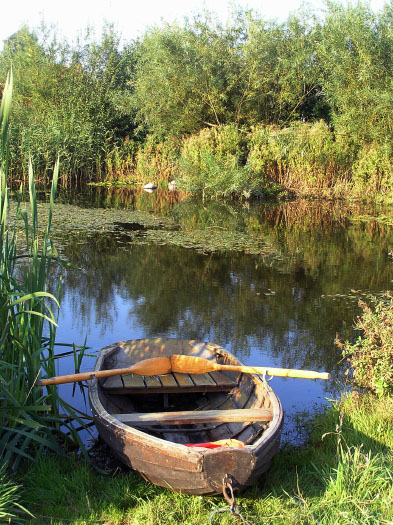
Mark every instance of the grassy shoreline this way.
pixel 342 475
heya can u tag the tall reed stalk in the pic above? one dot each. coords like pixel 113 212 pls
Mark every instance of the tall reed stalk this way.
pixel 31 420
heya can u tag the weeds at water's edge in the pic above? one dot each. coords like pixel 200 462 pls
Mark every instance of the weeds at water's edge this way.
pixel 32 420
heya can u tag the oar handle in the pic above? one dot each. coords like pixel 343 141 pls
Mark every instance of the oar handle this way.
pixel 269 371
pixel 83 376
pixel 148 367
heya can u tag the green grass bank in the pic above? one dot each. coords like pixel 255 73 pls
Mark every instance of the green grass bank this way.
pixel 344 475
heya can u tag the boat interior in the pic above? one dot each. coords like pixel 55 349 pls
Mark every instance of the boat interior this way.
pixel 189 408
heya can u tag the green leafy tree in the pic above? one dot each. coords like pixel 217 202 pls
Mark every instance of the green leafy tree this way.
pixel 71 101
pixel 189 77
pixel 356 53
pixel 283 71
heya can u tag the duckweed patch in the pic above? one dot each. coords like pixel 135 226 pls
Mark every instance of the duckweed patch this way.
pixel 354 296
pixel 209 241
pixel 140 227
pixel 69 218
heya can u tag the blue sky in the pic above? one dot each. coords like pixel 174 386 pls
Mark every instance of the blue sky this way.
pixel 132 17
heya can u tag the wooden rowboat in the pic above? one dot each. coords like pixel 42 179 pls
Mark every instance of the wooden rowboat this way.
pixel 148 421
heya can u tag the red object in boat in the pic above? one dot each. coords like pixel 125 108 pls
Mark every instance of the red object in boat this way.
pixel 218 444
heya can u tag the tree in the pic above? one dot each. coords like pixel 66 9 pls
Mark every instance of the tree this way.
pixel 283 71
pixel 188 77
pixel 71 101
pixel 356 53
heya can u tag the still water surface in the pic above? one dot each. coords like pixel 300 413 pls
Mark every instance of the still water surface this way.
pixel 273 283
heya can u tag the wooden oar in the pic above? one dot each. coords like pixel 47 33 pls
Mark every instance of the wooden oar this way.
pixel 197 365
pixel 155 366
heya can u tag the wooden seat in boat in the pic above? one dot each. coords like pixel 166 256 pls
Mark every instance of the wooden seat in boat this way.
pixel 169 383
pixel 190 417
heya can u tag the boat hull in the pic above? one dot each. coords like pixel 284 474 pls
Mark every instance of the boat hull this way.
pixel 170 464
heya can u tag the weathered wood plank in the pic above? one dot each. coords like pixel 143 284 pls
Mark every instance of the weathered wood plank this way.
pixel 203 380
pixel 131 381
pixel 247 433
pixel 152 382
pixel 195 416
pixel 168 380
pixel 196 484
pixel 136 350
pixel 113 382
pixel 176 437
pixel 239 462
pixel 127 353
pixel 203 350
pixel 222 379
pixel 166 390
pixel 129 445
pixel 184 380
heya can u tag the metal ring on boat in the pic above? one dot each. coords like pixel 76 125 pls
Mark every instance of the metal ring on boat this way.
pixel 234 509
pixel 265 379
pixel 227 491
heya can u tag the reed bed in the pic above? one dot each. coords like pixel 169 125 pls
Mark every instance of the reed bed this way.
pixel 32 420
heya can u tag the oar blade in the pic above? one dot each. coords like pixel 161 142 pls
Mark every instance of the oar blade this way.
pixel 155 366
pixel 186 364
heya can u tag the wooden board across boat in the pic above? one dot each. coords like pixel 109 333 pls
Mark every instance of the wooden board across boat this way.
pixel 147 421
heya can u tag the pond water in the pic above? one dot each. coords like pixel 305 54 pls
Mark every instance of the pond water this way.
pixel 273 283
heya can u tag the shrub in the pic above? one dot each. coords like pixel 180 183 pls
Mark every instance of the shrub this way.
pixel 371 356
pixel 372 170
pixel 212 162
pixel 120 160
pixel 301 156
pixel 266 154
pixel 155 161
